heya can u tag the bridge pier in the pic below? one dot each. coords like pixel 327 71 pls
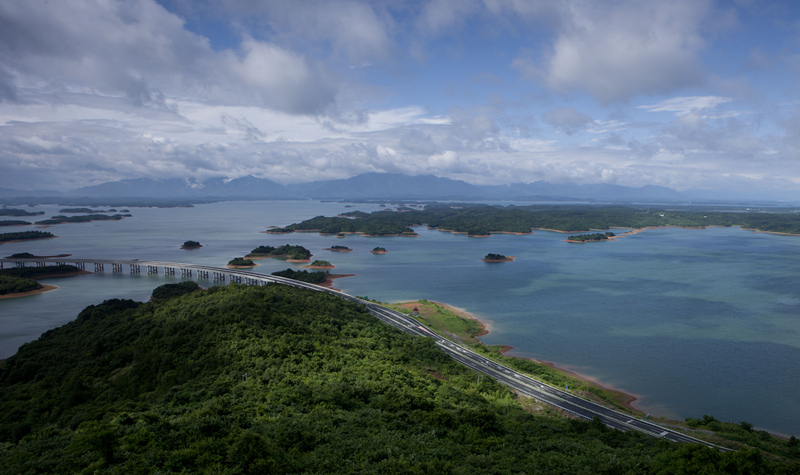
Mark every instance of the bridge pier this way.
pixel 98 266
pixel 152 269
pixel 135 269
pixel 187 272
pixel 169 270
pixel 41 264
pixel 115 268
pixel 80 265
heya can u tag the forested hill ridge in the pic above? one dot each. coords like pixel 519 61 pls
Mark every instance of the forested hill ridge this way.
pixel 477 219
pixel 282 380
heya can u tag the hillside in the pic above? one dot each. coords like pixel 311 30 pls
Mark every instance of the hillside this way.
pixel 280 380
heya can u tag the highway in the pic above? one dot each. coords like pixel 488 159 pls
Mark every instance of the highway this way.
pixel 517 381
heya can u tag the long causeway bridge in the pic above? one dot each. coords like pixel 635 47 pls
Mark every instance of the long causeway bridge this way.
pixel 519 382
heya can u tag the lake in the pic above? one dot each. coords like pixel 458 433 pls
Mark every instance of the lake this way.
pixel 692 322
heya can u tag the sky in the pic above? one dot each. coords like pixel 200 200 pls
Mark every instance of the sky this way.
pixel 687 94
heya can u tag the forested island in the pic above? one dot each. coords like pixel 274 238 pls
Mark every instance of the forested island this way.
pixel 492 257
pixel 275 379
pixel 239 262
pixel 320 264
pixel 295 253
pixel 379 250
pixel 338 249
pixel 86 210
pixel 18 212
pixel 28 255
pixel 482 220
pixel 82 218
pixel 25 236
pixel 17 285
pixel 191 245
pixel 594 237
pixel 22 280
pixel 13 222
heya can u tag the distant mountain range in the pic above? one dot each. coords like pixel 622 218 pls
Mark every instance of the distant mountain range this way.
pixel 369 186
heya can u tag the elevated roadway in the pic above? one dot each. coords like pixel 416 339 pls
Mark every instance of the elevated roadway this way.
pixel 517 381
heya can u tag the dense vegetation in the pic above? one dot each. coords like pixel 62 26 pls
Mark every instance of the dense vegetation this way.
pixel 85 210
pixel 21 279
pixel 82 218
pixel 379 223
pixel 240 261
pixel 25 236
pixel 22 255
pixel 18 212
pixel 292 252
pixel 320 263
pixel 279 380
pixel 38 272
pixel 591 237
pixel 316 277
pixel 339 248
pixel 485 219
pixel 379 249
pixel 12 285
pixel 169 291
pixel 191 245
pixel 495 257
pixel 13 222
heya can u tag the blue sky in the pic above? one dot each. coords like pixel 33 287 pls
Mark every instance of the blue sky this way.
pixel 689 94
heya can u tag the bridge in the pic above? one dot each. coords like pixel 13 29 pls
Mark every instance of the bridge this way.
pixel 517 381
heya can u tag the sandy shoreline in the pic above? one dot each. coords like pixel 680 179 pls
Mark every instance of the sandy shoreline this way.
pixel 45 288
pixel 506 259
pixel 626 399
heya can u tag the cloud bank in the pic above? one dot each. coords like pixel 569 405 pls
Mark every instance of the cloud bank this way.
pixel 491 92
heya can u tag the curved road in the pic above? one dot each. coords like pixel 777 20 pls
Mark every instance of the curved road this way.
pixel 515 380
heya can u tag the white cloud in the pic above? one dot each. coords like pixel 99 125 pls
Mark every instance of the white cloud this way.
pixel 685 105
pixel 617 50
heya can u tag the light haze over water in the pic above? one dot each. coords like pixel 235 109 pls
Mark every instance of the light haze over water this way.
pixel 692 322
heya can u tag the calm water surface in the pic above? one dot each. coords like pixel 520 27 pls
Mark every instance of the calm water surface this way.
pixel 693 322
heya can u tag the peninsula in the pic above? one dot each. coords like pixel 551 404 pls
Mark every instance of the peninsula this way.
pixel 23 281
pixel 484 220
pixel 294 390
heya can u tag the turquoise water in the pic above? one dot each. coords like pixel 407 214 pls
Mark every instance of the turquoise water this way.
pixel 693 322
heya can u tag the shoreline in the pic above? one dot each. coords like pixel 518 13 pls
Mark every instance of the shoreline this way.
pixel 506 259
pixel 625 399
pixel 328 282
pixel 45 288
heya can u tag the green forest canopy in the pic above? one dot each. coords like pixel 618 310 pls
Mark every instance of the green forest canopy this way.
pixel 476 219
pixel 291 252
pixel 25 235
pixel 274 379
